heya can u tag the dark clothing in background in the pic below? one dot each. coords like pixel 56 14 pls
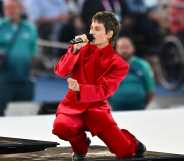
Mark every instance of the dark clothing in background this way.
pixel 89 8
pixel 140 27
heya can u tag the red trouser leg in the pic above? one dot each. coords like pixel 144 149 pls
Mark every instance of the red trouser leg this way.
pixel 70 128
pixel 120 142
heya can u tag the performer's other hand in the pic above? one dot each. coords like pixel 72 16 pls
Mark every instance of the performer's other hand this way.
pixel 73 84
pixel 77 47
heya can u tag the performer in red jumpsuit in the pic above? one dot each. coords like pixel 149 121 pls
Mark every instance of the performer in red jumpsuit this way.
pixel 93 71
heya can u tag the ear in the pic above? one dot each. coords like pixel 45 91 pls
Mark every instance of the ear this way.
pixel 110 34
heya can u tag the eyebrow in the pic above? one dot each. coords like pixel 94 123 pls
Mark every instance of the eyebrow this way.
pixel 95 26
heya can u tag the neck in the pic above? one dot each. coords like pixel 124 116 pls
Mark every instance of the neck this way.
pixel 16 19
pixel 127 58
pixel 102 45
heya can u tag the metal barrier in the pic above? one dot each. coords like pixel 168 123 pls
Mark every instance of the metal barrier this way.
pixel 52 44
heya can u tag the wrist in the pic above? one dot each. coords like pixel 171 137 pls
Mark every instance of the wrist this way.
pixel 75 50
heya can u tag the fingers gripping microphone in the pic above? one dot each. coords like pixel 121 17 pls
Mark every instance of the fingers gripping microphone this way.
pixel 90 37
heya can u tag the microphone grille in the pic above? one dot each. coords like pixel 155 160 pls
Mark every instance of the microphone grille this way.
pixel 90 37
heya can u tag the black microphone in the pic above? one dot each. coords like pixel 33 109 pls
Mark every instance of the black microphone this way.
pixel 90 37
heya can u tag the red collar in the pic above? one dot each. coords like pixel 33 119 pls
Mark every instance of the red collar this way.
pixel 105 50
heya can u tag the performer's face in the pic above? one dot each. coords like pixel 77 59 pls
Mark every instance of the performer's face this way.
pixel 101 36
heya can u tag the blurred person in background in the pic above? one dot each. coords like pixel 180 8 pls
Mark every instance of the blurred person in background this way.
pixel 176 15
pixel 49 16
pixel 139 23
pixel 162 8
pixel 1 8
pixel 75 26
pixel 137 89
pixel 90 7
pixel 18 43
pixel 75 6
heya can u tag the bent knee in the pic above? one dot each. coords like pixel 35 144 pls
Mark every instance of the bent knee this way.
pixel 64 130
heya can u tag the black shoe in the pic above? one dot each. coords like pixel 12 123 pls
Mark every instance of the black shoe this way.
pixel 88 140
pixel 141 148
pixel 79 157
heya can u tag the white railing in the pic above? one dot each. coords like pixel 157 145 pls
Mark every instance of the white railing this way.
pixel 52 44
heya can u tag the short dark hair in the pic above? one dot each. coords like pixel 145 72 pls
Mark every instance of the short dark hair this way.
pixel 109 21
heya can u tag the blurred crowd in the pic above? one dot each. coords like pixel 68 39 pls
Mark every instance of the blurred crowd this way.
pixel 57 18
pixel 143 20
pixel 144 23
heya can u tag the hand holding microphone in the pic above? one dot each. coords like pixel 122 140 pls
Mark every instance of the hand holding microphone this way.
pixel 80 41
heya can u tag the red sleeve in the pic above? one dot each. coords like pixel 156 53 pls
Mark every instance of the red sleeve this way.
pixel 106 85
pixel 66 63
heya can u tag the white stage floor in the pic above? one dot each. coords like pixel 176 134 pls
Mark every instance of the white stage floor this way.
pixel 160 130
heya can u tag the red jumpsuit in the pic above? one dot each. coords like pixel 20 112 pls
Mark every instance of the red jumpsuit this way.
pixel 98 72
